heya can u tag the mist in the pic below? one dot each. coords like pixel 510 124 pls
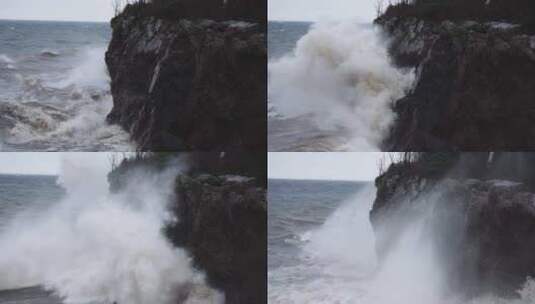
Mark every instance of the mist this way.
pixel 94 246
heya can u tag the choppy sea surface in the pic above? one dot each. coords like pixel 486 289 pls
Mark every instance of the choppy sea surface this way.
pixel 54 88
pixel 300 248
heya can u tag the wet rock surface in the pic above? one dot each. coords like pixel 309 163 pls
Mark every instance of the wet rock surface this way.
pixel 222 221
pixel 474 87
pixel 189 84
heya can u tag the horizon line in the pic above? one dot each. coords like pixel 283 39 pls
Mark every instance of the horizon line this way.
pixel 51 20
pixel 34 174
pixel 320 180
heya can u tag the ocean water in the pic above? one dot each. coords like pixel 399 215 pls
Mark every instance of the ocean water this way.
pixel 282 37
pixel 16 193
pixel 66 239
pixel 331 87
pixel 54 88
pixel 321 250
pixel 302 256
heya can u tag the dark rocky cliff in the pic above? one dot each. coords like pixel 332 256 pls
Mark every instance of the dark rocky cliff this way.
pixel 189 84
pixel 222 222
pixel 474 88
pixel 483 228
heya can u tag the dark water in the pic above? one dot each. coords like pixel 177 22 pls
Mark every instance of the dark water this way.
pixel 282 37
pixel 54 87
pixel 297 207
pixel 22 195
pixel 30 295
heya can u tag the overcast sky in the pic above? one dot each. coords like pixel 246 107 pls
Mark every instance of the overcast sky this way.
pixel 321 10
pixel 324 166
pixel 67 10
pixel 49 163
pixel 101 10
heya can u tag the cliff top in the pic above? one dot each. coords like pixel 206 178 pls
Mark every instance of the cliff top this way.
pixel 518 12
pixel 511 166
pixel 232 167
pixel 247 10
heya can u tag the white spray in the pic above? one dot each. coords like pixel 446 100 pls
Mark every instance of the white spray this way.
pixel 97 247
pixel 338 265
pixel 340 74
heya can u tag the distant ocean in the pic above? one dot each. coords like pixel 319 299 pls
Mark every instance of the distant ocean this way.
pixel 54 87
pixel 282 37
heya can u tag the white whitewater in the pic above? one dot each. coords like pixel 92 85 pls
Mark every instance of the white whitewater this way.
pixel 341 80
pixel 338 265
pixel 97 247
pixel 64 112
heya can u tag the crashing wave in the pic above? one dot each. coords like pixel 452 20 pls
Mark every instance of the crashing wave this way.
pixel 65 114
pixel 338 264
pixel 103 247
pixel 340 75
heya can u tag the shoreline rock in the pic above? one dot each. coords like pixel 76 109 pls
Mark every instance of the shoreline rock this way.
pixel 473 89
pixel 187 85
pixel 222 221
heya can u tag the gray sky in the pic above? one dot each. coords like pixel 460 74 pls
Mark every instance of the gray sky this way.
pixel 319 10
pixel 324 166
pixel 48 162
pixel 101 10
pixel 67 10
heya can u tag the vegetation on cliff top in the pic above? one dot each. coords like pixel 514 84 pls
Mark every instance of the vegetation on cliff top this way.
pixel 248 10
pixel 517 11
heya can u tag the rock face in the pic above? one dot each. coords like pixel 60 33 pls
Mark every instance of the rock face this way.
pixel 189 84
pixel 473 89
pixel 494 251
pixel 483 230
pixel 222 221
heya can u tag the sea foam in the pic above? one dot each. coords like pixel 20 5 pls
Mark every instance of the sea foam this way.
pixel 338 264
pixel 341 76
pixel 67 113
pixel 101 247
